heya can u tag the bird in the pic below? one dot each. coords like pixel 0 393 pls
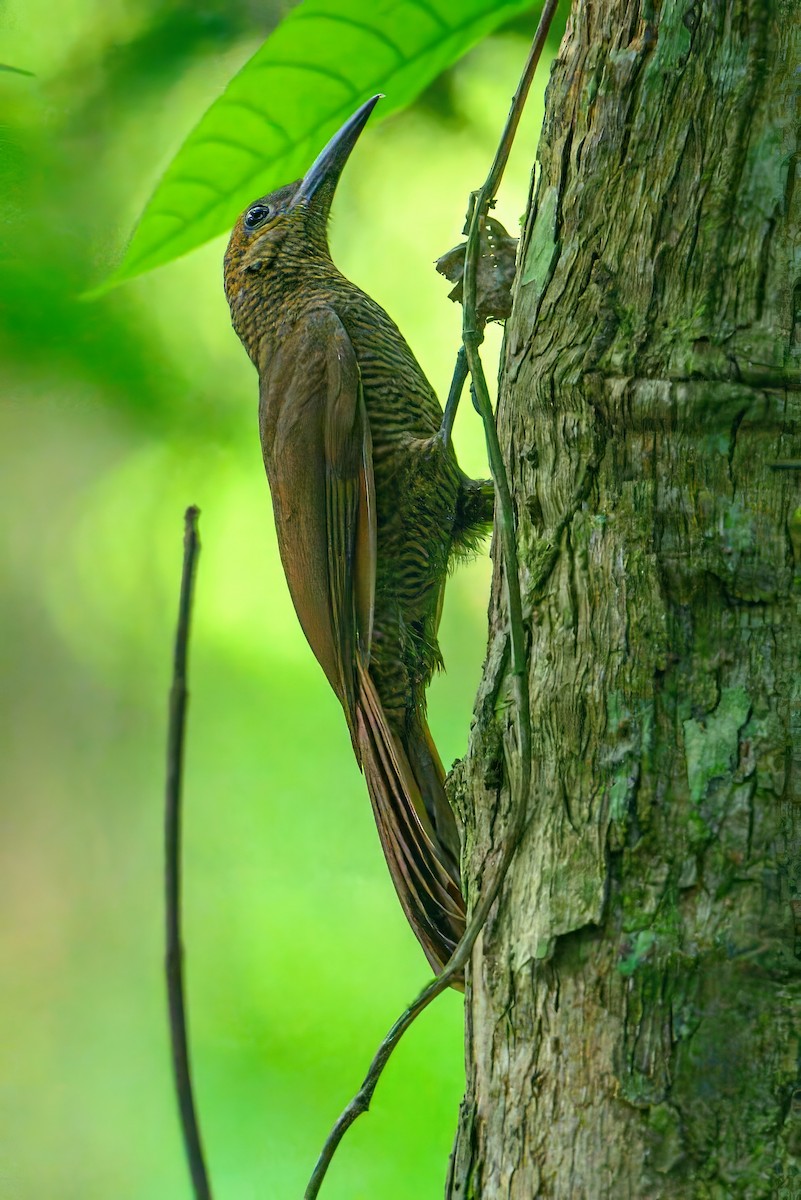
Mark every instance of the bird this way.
pixel 370 509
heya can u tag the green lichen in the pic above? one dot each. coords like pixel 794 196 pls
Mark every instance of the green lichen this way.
pixel 715 443
pixel 542 245
pixel 738 528
pixel 664 1126
pixel 711 744
pixel 544 948
pixel 619 794
pixel 640 948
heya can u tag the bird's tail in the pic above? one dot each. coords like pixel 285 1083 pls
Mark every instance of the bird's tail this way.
pixel 406 783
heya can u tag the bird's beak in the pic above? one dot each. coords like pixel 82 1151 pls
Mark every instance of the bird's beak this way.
pixel 328 164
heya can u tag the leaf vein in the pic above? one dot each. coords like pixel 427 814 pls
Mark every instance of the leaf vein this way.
pixel 302 14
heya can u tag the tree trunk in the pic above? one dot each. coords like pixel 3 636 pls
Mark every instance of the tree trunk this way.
pixel 633 1009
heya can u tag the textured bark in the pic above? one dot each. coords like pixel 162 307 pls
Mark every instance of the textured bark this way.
pixel 635 1003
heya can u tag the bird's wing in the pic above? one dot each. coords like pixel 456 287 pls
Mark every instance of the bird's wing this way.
pixel 318 454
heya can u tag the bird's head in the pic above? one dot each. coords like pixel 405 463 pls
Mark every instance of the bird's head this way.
pixel 289 226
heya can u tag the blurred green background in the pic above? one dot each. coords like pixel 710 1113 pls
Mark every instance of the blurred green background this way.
pixel 115 415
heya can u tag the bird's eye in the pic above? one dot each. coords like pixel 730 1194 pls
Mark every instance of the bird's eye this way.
pixel 256 216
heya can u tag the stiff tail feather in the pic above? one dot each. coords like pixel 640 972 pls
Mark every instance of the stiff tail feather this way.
pixel 423 868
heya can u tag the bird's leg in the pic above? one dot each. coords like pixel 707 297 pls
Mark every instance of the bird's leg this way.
pixel 454 396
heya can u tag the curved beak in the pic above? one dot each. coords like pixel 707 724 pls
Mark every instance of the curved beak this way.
pixel 329 162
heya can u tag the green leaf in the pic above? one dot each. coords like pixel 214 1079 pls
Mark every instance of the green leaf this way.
pixel 320 63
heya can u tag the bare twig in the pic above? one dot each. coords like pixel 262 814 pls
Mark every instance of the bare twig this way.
pixel 172 869
pixel 469 357
pixel 493 180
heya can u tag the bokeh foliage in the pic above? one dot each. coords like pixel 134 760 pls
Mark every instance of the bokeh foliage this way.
pixel 115 414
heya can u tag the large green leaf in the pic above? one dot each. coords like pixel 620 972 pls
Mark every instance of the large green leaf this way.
pixel 319 64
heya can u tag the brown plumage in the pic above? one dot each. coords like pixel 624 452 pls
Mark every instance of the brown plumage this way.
pixel 369 505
